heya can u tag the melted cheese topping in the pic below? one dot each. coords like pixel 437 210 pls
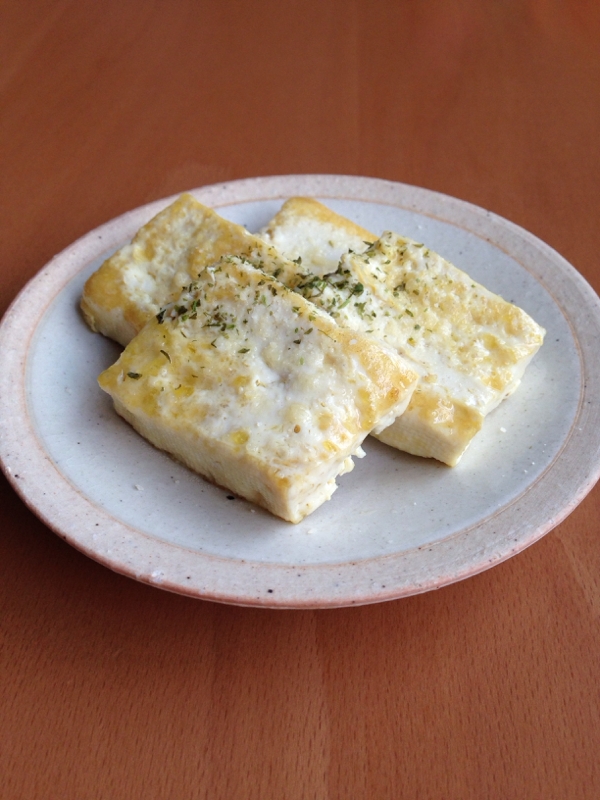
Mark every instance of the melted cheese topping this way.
pixel 255 388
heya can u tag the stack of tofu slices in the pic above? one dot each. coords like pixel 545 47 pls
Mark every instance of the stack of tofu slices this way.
pixel 263 362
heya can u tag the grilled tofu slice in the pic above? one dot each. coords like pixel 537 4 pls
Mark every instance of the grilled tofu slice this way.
pixel 470 346
pixel 307 230
pixel 165 254
pixel 255 388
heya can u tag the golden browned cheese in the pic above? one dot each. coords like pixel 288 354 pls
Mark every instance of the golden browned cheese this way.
pixel 256 389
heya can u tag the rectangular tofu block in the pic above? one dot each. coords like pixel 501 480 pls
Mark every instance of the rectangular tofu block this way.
pixel 307 230
pixel 165 254
pixel 470 346
pixel 252 386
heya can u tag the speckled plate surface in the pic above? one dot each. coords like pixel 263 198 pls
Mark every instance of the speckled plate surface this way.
pixel 397 525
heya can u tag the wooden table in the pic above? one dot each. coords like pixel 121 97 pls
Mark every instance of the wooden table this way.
pixel 489 688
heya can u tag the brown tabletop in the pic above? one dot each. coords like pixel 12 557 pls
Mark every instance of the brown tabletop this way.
pixel 489 688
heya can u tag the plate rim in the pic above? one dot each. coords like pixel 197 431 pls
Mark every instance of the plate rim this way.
pixel 437 563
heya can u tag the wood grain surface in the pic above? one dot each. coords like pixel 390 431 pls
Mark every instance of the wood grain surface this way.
pixel 489 688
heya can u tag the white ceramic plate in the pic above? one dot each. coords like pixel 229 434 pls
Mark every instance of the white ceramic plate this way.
pixel 397 525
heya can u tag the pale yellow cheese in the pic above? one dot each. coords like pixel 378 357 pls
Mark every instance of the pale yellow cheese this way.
pixel 256 389
pixel 470 346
